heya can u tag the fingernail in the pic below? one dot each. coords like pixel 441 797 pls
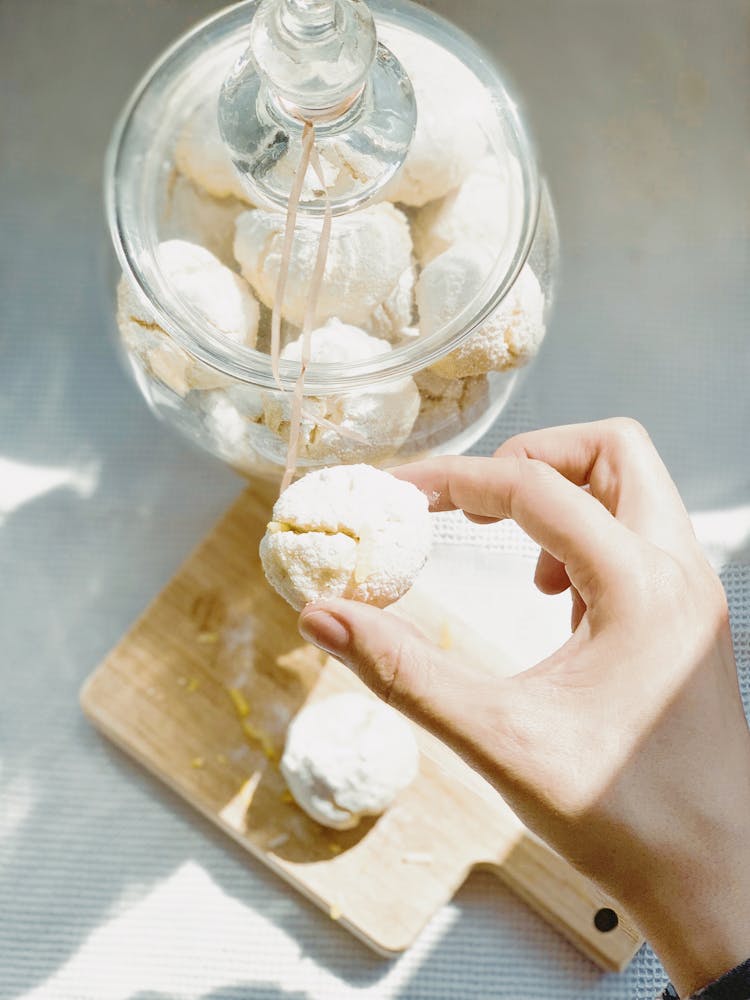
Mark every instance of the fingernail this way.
pixel 326 631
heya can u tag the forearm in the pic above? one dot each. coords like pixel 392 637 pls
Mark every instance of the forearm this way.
pixel 697 916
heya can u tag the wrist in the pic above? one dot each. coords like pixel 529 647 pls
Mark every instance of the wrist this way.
pixel 694 908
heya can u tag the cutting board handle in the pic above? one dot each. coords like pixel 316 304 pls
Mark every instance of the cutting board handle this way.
pixel 569 901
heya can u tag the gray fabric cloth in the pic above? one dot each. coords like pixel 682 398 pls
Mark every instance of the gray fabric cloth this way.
pixel 109 886
pixel 734 985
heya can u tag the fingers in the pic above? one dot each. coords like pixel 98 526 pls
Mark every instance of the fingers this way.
pixel 550 577
pixel 565 520
pixel 619 463
pixel 577 610
pixel 400 666
pixel 480 518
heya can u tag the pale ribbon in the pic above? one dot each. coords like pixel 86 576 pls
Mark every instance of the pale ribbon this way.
pixel 308 157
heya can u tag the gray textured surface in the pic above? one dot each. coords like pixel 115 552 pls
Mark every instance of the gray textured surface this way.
pixel 641 112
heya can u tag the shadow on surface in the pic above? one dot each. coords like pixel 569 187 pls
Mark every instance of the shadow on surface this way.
pixel 240 991
pixel 265 884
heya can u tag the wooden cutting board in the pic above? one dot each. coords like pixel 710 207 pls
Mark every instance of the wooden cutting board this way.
pixel 201 690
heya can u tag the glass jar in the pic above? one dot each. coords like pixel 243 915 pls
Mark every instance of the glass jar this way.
pixel 434 297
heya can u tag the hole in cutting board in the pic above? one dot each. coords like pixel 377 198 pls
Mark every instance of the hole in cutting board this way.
pixel 606 920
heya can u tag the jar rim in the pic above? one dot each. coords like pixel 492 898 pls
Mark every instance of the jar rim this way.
pixel 188 327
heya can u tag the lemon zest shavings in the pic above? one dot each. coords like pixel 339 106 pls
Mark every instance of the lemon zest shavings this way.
pixel 446 636
pixel 240 702
pixel 258 736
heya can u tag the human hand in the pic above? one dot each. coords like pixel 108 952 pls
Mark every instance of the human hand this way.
pixel 627 749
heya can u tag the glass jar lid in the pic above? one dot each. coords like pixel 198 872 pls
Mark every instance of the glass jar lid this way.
pixel 316 63
pixel 487 129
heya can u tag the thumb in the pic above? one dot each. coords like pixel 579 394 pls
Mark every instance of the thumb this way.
pixel 396 661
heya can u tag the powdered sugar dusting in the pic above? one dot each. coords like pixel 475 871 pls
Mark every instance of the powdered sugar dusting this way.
pixel 349 531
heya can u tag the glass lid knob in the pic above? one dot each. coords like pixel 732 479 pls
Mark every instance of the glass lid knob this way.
pixel 316 62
